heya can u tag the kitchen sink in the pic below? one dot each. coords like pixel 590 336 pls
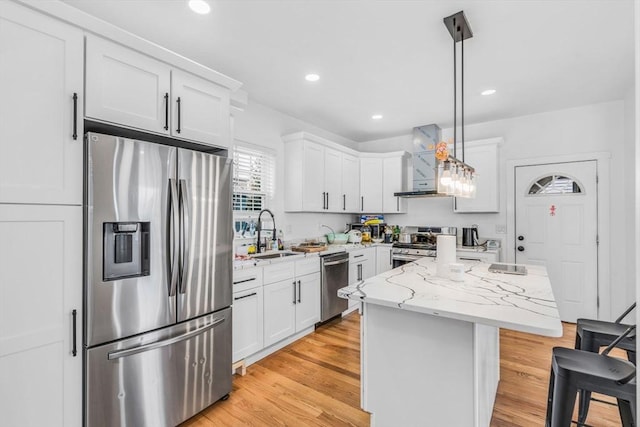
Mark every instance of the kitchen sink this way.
pixel 273 255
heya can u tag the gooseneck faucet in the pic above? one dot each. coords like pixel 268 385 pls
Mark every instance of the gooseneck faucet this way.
pixel 273 235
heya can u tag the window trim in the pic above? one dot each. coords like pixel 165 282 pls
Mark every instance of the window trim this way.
pixel 554 176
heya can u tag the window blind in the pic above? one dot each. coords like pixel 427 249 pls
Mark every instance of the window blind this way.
pixel 253 177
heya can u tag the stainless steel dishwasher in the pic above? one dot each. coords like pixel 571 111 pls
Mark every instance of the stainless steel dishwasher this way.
pixel 334 272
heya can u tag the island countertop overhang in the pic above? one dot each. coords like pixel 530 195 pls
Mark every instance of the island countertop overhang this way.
pixel 522 303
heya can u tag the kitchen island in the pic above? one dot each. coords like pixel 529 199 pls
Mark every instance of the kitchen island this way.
pixel 430 345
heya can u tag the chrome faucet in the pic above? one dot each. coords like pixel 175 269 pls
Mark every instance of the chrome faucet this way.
pixel 273 235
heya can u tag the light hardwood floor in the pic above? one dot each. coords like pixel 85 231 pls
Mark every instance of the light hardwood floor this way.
pixel 316 381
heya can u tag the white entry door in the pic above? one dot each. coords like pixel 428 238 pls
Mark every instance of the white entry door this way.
pixel 556 225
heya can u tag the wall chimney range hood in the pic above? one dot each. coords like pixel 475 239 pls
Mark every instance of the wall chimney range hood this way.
pixel 425 182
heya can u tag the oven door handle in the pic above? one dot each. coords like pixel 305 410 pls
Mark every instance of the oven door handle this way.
pixel 330 263
pixel 406 258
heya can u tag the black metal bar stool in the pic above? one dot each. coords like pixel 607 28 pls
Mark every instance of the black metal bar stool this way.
pixel 573 369
pixel 591 335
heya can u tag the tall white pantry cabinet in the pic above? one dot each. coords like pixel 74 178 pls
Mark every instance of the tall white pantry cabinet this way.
pixel 41 81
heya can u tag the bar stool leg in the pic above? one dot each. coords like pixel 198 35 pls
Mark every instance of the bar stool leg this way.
pixel 564 399
pixel 626 416
pixel 584 400
pixel 552 376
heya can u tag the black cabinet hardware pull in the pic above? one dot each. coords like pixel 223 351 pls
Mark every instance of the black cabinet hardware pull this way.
pixel 74 314
pixel 245 296
pixel 75 118
pixel 344 202
pixel 362 203
pixel 324 199
pixel 358 256
pixel 178 101
pixel 398 204
pixel 295 297
pixel 245 280
pixel 327 202
pixel 166 111
pixel 299 292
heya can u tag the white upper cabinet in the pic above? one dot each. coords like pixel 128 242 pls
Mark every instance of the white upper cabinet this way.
pixel 350 183
pixel 127 88
pixel 201 109
pixel 319 177
pixel 371 184
pixel 312 190
pixel 483 156
pixel 41 69
pixel 395 180
pixel 381 175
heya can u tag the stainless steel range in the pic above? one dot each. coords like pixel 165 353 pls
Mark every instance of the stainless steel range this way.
pixel 423 244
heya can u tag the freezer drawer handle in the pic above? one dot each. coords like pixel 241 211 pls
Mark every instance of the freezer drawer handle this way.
pixel 327 264
pixel 135 350
pixel 245 296
pixel 74 315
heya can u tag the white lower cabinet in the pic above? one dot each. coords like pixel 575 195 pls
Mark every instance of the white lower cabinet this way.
pixel 279 311
pixel 41 289
pixel 362 265
pixel 383 259
pixel 290 306
pixel 248 326
pixel 287 303
pixel 308 301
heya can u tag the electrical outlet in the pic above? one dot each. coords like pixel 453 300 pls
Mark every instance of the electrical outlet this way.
pixel 501 229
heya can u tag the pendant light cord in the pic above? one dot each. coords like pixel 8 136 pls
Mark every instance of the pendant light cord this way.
pixel 455 93
pixel 462 88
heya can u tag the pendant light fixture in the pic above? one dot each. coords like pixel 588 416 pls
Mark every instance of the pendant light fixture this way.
pixel 455 177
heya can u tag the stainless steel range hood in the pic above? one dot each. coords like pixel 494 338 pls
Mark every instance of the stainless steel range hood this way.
pixel 425 164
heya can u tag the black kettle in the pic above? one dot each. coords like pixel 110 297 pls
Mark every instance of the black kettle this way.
pixel 470 236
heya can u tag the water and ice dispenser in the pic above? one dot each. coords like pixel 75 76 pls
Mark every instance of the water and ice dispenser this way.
pixel 126 250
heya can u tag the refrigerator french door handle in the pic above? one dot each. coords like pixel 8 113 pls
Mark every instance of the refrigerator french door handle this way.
pixel 159 344
pixel 174 224
pixel 185 218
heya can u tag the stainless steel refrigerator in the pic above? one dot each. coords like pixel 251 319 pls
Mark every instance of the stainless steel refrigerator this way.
pixel 158 248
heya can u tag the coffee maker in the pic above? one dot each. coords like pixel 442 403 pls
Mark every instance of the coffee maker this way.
pixel 470 236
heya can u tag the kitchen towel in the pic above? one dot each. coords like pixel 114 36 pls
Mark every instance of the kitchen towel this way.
pixel 446 254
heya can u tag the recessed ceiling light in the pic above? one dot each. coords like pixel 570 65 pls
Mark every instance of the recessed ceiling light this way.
pixel 488 92
pixel 200 6
pixel 376 116
pixel 312 77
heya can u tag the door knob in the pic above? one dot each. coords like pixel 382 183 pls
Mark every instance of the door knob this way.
pixel 521 248
pixel 520 238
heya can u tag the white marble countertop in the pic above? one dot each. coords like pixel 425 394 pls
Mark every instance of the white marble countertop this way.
pixel 241 264
pixel 522 303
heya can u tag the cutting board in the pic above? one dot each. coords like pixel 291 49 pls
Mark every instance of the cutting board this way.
pixel 309 248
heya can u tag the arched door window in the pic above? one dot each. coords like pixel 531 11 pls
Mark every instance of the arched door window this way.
pixel 555 185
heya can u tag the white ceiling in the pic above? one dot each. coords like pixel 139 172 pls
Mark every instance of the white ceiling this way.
pixel 396 57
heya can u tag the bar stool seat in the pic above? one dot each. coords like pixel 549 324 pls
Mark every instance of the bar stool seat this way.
pixel 573 369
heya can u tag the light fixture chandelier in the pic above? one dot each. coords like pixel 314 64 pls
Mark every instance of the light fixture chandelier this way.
pixel 455 177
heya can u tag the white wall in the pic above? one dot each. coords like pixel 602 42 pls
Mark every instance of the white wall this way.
pixel 595 128
pixel 263 126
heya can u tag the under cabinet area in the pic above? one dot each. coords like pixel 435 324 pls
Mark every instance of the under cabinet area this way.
pixel 127 88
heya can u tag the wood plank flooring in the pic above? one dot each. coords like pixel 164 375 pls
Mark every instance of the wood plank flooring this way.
pixel 316 382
